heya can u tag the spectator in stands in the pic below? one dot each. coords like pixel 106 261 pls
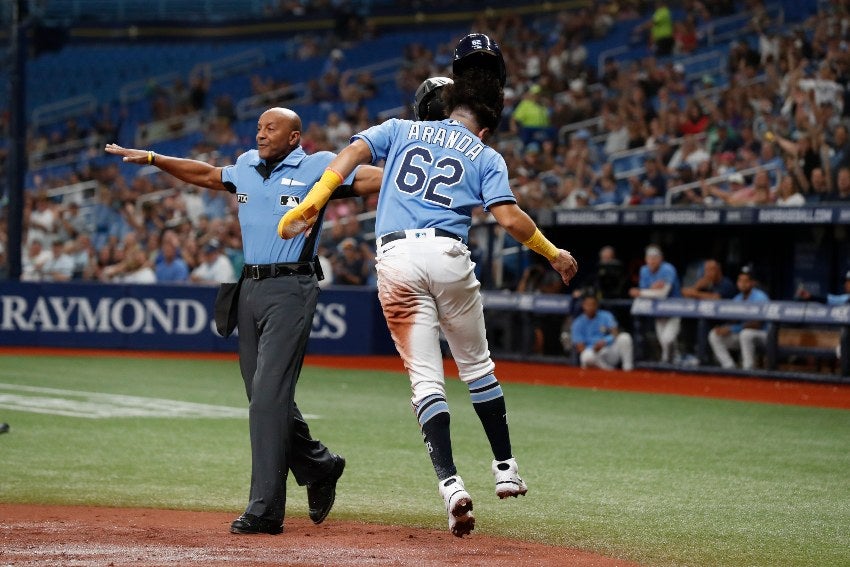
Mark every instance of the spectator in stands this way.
pixel 214 268
pixel 82 254
pixel 695 120
pixel 338 131
pixel 60 267
pixel 531 116
pixel 33 262
pixel 71 222
pixel 685 35
pixel 134 269
pixel 659 279
pixel 660 28
pixel 819 186
pixel 691 152
pixel 650 188
pixel 605 193
pixel 840 148
pixel 745 336
pixel 350 266
pixel 758 194
pixel 617 138
pixel 42 221
pixel 712 284
pixel 842 185
pixel 788 194
pixel 170 268
pixel 581 156
pixel 597 339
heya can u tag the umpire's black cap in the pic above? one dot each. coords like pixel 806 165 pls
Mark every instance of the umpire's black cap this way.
pixel 478 50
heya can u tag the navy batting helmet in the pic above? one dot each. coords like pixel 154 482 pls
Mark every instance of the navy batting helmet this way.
pixel 427 104
pixel 478 50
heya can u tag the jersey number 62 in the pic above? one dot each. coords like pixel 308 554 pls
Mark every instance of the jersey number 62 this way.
pixel 412 175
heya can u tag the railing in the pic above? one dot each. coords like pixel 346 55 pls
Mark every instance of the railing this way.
pixel 140 88
pixel 625 174
pixel 567 129
pixel 252 106
pixel 162 10
pixel 732 26
pixel 679 189
pixel 63 154
pixel 169 128
pixel 773 313
pixel 605 54
pixel 230 65
pixel 63 109
pixel 84 193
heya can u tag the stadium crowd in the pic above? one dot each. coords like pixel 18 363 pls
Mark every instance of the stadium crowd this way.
pixel 769 129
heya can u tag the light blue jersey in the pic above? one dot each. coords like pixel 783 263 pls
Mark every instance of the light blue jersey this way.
pixel 435 174
pixel 756 296
pixel 835 299
pixel 259 199
pixel 665 273
pixel 590 331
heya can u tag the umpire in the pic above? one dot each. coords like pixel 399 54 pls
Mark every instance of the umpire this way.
pixel 276 302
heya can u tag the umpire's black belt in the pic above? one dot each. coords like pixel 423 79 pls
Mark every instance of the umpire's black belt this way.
pixel 263 271
pixel 399 234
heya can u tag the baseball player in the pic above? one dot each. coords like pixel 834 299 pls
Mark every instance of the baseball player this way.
pixel 436 172
pixel 598 340
pixel 276 304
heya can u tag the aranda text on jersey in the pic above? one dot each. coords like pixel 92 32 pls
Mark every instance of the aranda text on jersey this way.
pixel 450 139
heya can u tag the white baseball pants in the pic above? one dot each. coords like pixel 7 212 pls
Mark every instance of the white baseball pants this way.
pixel 426 284
pixel 608 357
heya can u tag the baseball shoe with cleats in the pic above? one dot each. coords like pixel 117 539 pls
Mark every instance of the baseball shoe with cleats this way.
pixel 458 506
pixel 508 481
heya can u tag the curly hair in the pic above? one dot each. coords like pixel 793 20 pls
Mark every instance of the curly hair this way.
pixel 479 91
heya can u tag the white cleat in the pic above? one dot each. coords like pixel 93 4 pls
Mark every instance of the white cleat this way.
pixel 508 481
pixel 458 506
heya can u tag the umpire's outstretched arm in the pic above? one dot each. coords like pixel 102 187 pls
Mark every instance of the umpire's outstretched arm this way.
pixel 191 171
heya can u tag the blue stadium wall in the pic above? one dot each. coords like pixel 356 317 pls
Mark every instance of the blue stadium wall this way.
pixel 171 318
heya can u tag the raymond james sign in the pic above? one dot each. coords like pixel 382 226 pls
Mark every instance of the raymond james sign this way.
pixel 154 317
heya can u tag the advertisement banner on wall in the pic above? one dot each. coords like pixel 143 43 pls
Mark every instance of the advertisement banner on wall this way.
pixel 159 317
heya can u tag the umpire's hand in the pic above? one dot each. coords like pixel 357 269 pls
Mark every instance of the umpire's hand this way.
pixel 141 157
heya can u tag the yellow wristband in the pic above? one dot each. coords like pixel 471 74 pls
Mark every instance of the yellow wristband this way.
pixel 542 246
pixel 151 158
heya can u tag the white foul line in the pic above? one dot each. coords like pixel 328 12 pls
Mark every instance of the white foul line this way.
pixel 98 405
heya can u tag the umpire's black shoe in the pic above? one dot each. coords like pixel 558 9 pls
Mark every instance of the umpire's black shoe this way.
pixel 321 494
pixel 4 427
pixel 251 524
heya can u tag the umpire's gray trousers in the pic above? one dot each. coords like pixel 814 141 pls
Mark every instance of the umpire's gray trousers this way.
pixel 275 317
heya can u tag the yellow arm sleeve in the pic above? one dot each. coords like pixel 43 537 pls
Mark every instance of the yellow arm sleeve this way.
pixel 542 246
pixel 296 219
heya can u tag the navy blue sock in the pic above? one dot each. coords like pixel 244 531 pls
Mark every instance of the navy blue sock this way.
pixel 434 421
pixel 489 404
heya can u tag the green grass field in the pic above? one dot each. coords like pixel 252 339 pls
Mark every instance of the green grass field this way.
pixel 662 480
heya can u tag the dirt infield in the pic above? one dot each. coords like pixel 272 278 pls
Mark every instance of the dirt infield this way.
pixel 112 537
